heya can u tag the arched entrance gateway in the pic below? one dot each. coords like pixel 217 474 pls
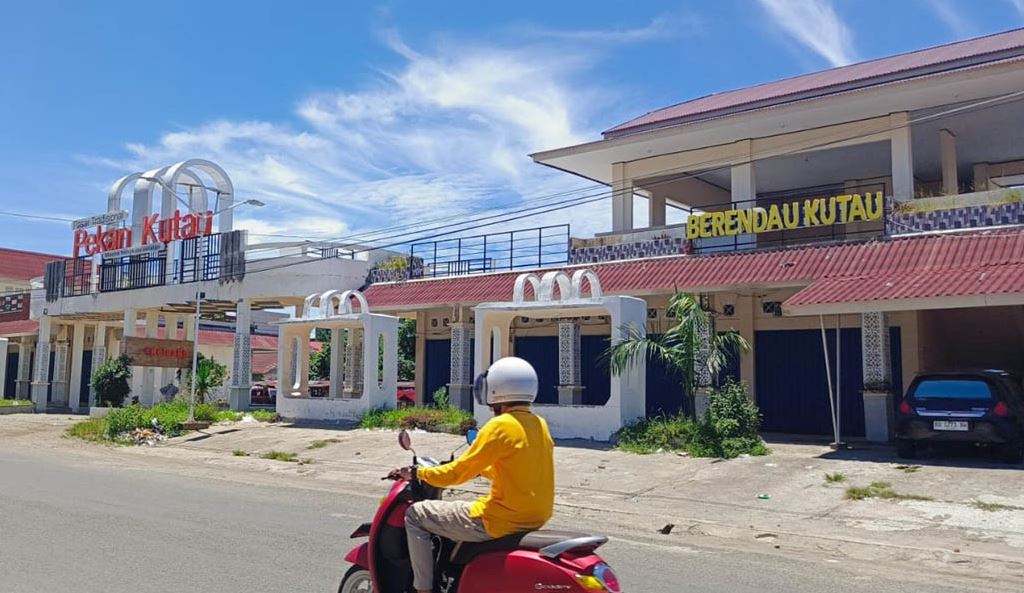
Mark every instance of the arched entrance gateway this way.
pixel 364 358
pixel 557 295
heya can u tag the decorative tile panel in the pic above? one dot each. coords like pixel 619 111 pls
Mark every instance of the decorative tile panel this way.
pixel 460 372
pixel 704 332
pixel 569 371
pixel 875 348
pixel 42 362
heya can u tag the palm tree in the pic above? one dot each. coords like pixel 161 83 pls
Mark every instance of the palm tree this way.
pixel 210 375
pixel 680 348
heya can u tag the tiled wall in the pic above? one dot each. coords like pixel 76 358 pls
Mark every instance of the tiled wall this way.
pixel 630 250
pixel 1005 208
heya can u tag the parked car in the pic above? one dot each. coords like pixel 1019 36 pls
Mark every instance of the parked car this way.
pixel 979 407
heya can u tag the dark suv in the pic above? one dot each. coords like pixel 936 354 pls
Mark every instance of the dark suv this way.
pixel 982 407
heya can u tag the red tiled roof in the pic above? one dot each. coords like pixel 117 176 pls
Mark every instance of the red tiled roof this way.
pixel 967 281
pixel 209 337
pixel 263 363
pixel 24 265
pixel 791 266
pixel 19 328
pixel 863 74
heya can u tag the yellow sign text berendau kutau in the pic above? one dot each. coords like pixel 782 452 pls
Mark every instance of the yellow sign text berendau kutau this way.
pixel 809 213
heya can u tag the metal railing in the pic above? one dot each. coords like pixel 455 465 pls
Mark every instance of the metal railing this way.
pixel 512 250
pixel 132 271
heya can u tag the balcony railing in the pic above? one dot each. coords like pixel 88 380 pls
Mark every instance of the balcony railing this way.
pixel 538 247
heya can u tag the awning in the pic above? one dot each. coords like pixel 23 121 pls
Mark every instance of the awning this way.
pixel 944 288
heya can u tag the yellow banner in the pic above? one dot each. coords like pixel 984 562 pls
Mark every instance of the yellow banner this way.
pixel 813 212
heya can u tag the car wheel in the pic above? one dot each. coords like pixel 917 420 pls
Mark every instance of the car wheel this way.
pixel 1012 452
pixel 906 449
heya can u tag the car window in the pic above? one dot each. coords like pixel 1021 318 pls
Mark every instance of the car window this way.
pixel 974 389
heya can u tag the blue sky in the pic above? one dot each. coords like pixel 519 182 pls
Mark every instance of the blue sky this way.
pixel 344 117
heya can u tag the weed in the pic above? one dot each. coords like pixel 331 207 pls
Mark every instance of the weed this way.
pixel 835 478
pixel 994 506
pixel 882 490
pixel 265 416
pixel 280 456
pixel 239 453
pixel 432 419
pixel 321 444
pixel 648 435
pixel 909 469
pixel 15 402
pixel 93 429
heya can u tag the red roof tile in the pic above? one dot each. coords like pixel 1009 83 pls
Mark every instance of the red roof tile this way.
pixel 968 281
pixel 794 266
pixel 24 265
pixel 861 75
pixel 209 337
pixel 19 328
pixel 264 363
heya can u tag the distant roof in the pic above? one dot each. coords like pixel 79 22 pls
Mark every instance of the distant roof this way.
pixel 942 58
pixel 24 265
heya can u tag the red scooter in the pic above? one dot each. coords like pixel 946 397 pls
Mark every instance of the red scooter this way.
pixel 535 561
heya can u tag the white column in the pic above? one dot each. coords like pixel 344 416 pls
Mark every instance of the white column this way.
pixel 24 382
pixel 353 386
pixel 657 209
pixel 947 148
pixel 150 392
pixel 241 368
pixel 337 360
pixel 3 369
pixel 622 200
pixel 99 356
pixel 285 361
pixel 877 372
pixel 41 377
pixel 570 384
pixel 421 357
pixel 902 157
pixel 743 191
pixel 981 177
pixel 59 391
pixel 302 368
pixel 460 375
pixel 77 355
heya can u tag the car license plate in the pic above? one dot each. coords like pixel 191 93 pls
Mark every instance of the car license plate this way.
pixel 955 425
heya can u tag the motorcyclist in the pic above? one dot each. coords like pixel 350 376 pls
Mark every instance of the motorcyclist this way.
pixel 514 450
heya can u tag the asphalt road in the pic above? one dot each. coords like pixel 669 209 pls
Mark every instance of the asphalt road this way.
pixel 78 527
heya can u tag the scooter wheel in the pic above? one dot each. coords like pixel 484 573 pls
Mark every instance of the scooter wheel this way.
pixel 356 580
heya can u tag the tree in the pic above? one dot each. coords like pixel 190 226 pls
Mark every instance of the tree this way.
pixel 320 362
pixel 210 375
pixel 112 381
pixel 680 347
pixel 406 349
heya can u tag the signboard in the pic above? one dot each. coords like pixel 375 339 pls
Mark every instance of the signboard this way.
pixel 107 218
pixel 813 212
pixel 151 352
pixel 154 231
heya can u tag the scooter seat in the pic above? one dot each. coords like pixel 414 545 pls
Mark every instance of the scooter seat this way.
pixel 463 552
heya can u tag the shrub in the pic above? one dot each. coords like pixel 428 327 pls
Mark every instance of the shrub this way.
pixel 441 398
pixel 648 435
pixel 93 429
pixel 124 420
pixel 280 456
pixel 112 381
pixel 265 416
pixel 730 426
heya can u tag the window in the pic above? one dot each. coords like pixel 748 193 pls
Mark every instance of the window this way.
pixel 969 389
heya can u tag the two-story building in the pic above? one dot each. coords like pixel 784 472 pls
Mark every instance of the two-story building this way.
pixel 879 200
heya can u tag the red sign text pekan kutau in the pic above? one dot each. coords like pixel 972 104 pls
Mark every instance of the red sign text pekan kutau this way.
pixel 154 231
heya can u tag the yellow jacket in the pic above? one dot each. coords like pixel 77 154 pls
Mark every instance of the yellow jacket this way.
pixel 515 451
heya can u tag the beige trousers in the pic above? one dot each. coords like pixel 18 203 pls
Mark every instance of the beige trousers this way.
pixel 448 519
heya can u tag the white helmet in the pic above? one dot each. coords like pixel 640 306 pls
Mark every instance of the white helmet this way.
pixel 509 380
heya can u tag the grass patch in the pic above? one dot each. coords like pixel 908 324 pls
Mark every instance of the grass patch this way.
pixel 321 443
pixel 909 469
pixel 228 416
pixel 280 456
pixel 431 419
pixel 15 402
pixel 93 429
pixel 835 478
pixel 994 506
pixel 239 453
pixel 882 490
pixel 265 416
pixel 650 435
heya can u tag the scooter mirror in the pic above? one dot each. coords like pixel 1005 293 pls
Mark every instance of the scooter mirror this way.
pixel 471 435
pixel 404 440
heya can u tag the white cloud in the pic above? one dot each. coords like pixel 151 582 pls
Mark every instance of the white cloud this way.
pixel 815 25
pixel 662 27
pixel 1019 5
pixel 952 18
pixel 446 134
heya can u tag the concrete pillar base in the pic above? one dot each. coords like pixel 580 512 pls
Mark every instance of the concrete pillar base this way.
pixel 570 395
pixel 238 398
pixel 23 389
pixel 461 396
pixel 879 417
pixel 700 402
pixel 39 396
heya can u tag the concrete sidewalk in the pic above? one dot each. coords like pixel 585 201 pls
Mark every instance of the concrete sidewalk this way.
pixel 779 503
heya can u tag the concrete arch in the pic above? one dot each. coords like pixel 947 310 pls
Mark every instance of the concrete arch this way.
pixel 225 189
pixel 588 276
pixel 344 301
pixel 519 289
pixel 550 281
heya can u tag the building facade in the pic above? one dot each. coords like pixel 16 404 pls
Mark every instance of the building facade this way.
pixel 869 216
